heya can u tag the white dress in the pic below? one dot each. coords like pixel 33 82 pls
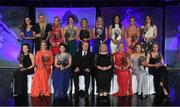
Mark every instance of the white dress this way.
pixel 144 80
pixel 149 32
pixel 116 34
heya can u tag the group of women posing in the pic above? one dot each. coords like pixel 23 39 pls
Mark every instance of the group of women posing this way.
pixel 63 52
pixel 104 63
pixel 73 36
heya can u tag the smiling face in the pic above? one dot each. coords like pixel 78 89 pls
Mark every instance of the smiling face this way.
pixel 116 20
pixel 120 47
pixel 155 48
pixel 62 49
pixel 28 20
pixel 148 20
pixel 43 46
pixel 56 21
pixel 25 49
pixel 70 20
pixel 41 19
pixel 99 21
pixel 132 21
pixel 138 48
pixel 103 48
pixel 84 23
pixel 85 46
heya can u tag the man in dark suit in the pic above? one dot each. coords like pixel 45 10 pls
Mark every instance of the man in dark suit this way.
pixel 83 66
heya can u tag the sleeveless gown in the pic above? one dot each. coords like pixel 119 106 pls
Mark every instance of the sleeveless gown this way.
pixel 20 77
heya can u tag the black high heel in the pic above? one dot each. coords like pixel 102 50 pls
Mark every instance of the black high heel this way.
pixel 164 95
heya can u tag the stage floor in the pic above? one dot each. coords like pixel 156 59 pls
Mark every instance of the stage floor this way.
pixel 93 100
pixel 151 100
pixel 7 100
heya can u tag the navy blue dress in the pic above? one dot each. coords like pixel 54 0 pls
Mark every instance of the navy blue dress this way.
pixel 61 77
pixel 28 41
pixel 100 33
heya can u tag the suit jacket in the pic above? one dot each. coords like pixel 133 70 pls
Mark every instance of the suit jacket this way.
pixel 84 62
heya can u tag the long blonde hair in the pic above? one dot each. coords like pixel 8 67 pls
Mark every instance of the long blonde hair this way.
pixel 101 46
pixel 59 21
pixel 43 25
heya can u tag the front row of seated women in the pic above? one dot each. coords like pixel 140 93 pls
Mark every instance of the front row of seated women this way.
pixel 102 64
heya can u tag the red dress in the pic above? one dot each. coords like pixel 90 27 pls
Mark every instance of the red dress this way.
pixel 41 77
pixel 129 48
pixel 123 76
pixel 56 39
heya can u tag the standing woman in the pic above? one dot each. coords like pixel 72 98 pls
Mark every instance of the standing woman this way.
pixel 71 34
pixel 149 34
pixel 26 66
pixel 57 36
pixel 62 73
pixel 100 33
pixel 104 65
pixel 84 33
pixel 27 33
pixel 115 33
pixel 132 33
pixel 155 62
pixel 121 65
pixel 44 60
pixel 41 31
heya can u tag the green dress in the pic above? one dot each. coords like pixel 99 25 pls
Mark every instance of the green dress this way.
pixel 71 44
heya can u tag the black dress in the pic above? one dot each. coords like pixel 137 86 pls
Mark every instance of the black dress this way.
pixel 103 78
pixel 160 74
pixel 83 34
pixel 20 77
pixel 44 34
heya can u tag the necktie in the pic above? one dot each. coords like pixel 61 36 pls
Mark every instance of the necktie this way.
pixel 84 53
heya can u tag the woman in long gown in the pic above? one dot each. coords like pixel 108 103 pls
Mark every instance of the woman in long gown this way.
pixel 56 37
pixel 84 33
pixel 41 31
pixel 138 68
pixel 100 34
pixel 115 33
pixel 62 73
pixel 149 34
pixel 27 33
pixel 121 65
pixel 26 67
pixel 71 34
pixel 44 60
pixel 155 62
pixel 104 65
pixel 131 35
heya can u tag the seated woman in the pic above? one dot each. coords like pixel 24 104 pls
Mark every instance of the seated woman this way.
pixel 44 60
pixel 156 66
pixel 138 68
pixel 26 66
pixel 104 65
pixel 121 65
pixel 62 73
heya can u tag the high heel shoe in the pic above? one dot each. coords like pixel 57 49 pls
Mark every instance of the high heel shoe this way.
pixel 143 96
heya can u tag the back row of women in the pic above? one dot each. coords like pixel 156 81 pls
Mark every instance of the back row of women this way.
pixel 74 36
